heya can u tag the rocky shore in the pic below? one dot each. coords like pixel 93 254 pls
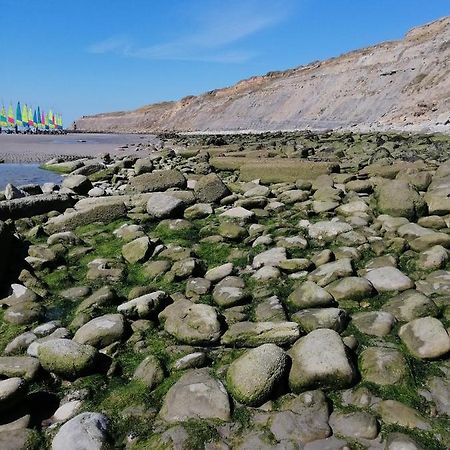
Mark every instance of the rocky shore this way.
pixel 275 291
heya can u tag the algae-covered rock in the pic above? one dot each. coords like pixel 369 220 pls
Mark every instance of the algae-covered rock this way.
pixel 66 358
pixel 253 376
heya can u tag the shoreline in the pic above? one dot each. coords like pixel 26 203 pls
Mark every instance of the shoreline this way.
pixel 23 149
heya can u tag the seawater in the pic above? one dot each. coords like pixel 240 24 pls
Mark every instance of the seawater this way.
pixel 20 174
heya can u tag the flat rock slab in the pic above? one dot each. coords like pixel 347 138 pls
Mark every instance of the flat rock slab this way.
pixel 107 212
pixel 34 205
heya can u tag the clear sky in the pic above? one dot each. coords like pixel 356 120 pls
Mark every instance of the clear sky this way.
pixel 88 56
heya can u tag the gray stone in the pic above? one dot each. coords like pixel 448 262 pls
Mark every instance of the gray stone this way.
pixel 329 272
pixel 198 211
pixel 238 214
pixel 253 334
pixel 210 188
pixel 355 424
pixel 270 310
pixel 410 305
pixel 252 377
pixel 105 211
pixel 396 413
pixel 310 295
pixel 351 288
pixel 87 431
pixel 374 323
pixel 302 419
pixel 383 366
pixel 311 319
pixel 272 257
pixel 12 391
pixel 79 184
pixel 23 313
pixel 137 250
pixel 144 306
pixel 34 205
pixel 327 231
pixel 229 292
pixel 101 331
pixel 159 180
pixel 320 359
pixel 440 393
pixel 434 258
pixel 218 273
pixel 388 279
pixel 161 206
pixel 399 199
pixel 196 395
pixel 150 372
pixel 191 323
pixel 426 338
pixel 19 366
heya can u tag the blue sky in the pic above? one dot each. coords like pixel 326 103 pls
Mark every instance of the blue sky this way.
pixel 83 57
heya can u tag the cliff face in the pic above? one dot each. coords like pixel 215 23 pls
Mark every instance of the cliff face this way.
pixel 402 85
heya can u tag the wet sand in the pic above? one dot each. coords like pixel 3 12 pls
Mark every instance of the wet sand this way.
pixel 18 148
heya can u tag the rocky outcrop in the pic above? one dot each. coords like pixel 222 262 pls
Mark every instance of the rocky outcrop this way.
pixel 393 85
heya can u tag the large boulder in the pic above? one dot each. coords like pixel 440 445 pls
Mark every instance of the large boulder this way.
pixel 66 358
pixel 210 188
pixel 101 331
pixel 87 431
pixel 399 199
pixel 196 395
pixel 34 205
pixel 253 376
pixel 104 210
pixel 191 323
pixel 320 359
pixel 159 180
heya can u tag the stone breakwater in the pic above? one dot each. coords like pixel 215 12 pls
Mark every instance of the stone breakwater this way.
pixel 240 293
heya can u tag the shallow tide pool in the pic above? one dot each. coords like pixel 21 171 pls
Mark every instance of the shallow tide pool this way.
pixel 20 174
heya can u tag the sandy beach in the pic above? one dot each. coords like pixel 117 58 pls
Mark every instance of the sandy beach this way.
pixel 18 148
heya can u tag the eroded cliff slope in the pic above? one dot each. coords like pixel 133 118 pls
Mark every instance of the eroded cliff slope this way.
pixel 402 85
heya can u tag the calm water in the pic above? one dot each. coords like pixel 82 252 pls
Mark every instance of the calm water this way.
pixel 19 174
